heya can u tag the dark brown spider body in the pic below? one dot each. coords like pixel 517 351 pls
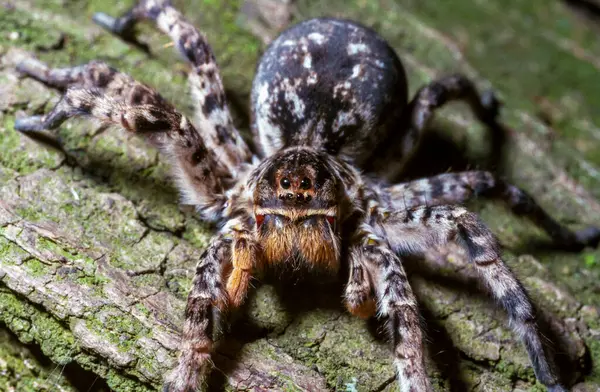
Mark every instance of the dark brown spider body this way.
pixel 330 84
pixel 328 103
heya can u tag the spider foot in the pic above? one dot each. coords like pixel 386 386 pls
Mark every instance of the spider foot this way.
pixel 170 386
pixel 118 26
pixel 30 124
pixel 187 376
pixel 32 67
pixel 121 27
pixel 577 241
pixel 167 387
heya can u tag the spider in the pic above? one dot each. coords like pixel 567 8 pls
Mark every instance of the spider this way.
pixel 333 125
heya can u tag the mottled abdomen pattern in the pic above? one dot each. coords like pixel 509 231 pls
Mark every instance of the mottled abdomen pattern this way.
pixel 330 84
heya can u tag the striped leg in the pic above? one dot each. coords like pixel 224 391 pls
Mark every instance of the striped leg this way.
pixel 421 110
pixel 397 303
pixel 231 256
pixel 452 88
pixel 99 91
pixel 458 188
pixel 206 295
pixel 418 230
pixel 212 114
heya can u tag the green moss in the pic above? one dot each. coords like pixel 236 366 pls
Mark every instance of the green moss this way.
pixel 25 156
pixel 120 329
pixel 54 339
pixel 30 35
pixel 512 370
pixel 21 370
pixel 590 260
pixel 118 382
pixel 37 269
pixel 92 281
pixel 594 347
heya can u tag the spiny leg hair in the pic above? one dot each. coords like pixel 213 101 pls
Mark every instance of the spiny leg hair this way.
pixel 231 256
pixel 212 115
pixel 459 188
pixel 415 231
pixel 103 93
pixel 397 304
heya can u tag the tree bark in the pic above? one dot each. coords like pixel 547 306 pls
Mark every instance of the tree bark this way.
pixel 96 256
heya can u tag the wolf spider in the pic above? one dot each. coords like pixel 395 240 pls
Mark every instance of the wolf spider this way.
pixel 333 125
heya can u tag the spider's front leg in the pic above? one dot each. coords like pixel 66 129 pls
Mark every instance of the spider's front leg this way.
pixel 375 267
pixel 211 112
pixel 99 91
pixel 231 257
pixel 418 231
pixel 459 188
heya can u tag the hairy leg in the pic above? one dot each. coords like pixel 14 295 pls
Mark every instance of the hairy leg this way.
pixel 451 88
pixel 421 109
pixel 99 91
pixel 396 303
pixel 415 231
pixel 206 297
pixel 95 75
pixel 212 114
pixel 458 188
pixel 231 257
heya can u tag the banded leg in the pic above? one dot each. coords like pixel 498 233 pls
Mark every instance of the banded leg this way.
pixel 212 114
pixel 206 297
pixel 231 256
pixel 103 93
pixel 422 107
pixel 452 88
pixel 414 232
pixel 397 303
pixel 458 188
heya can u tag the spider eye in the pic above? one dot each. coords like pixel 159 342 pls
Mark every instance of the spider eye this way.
pixel 285 183
pixel 305 183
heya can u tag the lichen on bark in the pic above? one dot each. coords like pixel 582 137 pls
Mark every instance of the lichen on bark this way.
pixel 96 256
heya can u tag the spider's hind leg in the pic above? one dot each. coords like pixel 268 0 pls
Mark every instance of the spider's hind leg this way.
pixel 452 88
pixel 421 109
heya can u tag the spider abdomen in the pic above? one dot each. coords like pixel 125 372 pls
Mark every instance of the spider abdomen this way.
pixel 331 84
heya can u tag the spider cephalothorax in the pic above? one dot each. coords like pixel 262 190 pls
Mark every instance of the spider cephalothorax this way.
pixel 297 205
pixel 331 120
